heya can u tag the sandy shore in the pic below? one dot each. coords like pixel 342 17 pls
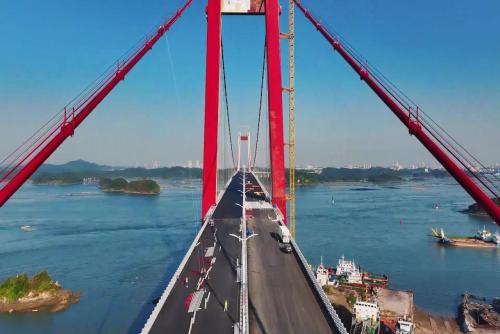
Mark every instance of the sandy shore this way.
pixel 431 324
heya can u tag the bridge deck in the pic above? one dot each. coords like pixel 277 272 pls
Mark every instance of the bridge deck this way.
pixel 176 312
pixel 281 298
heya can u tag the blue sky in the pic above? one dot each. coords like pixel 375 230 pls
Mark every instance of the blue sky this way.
pixel 444 54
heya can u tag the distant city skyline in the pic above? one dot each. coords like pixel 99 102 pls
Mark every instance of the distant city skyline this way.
pixel 156 113
pixel 199 164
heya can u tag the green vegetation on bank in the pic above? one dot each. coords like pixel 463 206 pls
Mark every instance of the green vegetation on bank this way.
pixel 118 184
pixel 145 187
pixel 19 286
pixel 374 175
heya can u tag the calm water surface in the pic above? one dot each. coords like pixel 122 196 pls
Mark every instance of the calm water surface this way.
pixel 118 249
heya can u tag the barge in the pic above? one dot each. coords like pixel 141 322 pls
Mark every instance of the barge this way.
pixel 483 239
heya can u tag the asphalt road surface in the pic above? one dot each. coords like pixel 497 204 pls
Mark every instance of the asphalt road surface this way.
pixel 281 298
pixel 205 296
pixel 177 314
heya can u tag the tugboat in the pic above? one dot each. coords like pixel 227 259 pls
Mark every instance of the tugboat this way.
pixel 484 235
pixel 366 318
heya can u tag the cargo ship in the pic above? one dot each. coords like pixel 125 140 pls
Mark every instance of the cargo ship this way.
pixel 482 239
pixel 347 273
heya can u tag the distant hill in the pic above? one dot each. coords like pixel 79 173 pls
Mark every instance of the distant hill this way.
pixel 77 166
pixel 75 171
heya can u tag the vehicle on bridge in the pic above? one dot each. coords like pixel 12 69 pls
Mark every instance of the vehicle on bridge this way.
pixel 284 234
pixel 285 247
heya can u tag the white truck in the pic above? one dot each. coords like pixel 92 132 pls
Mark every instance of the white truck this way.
pixel 284 234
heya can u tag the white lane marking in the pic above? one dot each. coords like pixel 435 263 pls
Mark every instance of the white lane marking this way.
pixel 206 300
pixel 192 322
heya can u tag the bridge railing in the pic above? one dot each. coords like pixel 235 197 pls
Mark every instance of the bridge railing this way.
pixel 319 291
pixel 156 311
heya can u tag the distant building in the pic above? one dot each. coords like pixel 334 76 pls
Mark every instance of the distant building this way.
pixel 397 166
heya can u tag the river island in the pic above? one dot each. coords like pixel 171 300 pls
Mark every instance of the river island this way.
pixel 121 185
pixel 21 293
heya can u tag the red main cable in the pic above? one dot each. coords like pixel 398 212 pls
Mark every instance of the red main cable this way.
pixel 413 126
pixel 24 172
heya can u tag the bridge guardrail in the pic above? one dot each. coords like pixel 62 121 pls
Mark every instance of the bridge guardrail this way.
pixel 329 308
pixel 152 317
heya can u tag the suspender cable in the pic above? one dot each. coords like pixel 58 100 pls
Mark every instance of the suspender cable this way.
pixel 260 104
pixel 227 105
pixel 409 118
pixel 43 147
pixel 463 156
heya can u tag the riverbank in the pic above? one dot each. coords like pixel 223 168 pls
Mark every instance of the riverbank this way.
pixel 425 322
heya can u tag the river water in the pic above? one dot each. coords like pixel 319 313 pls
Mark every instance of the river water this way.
pixel 118 249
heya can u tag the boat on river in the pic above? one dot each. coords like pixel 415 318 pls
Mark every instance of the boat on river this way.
pixel 482 239
pixel 348 273
pixel 484 235
pixel 27 228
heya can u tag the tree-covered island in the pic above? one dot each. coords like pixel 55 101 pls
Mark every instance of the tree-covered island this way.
pixel 21 293
pixel 139 187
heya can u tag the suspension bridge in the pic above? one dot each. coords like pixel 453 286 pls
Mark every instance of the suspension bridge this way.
pixel 234 278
